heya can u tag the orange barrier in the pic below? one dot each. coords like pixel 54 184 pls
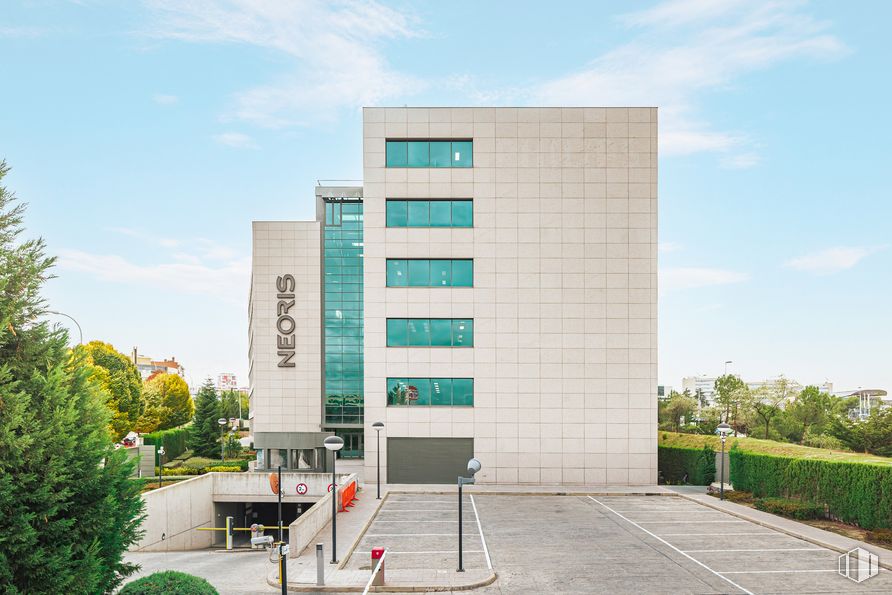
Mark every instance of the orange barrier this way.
pixel 348 495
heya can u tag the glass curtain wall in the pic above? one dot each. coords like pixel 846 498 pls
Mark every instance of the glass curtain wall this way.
pixel 343 316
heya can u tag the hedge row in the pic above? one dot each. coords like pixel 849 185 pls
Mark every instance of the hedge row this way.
pixel 855 493
pixel 173 440
pixel 698 464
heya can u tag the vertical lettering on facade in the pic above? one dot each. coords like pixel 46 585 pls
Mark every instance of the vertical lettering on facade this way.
pixel 285 325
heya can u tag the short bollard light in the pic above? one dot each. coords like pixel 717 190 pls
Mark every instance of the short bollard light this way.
pixel 723 429
pixel 473 467
pixel 378 559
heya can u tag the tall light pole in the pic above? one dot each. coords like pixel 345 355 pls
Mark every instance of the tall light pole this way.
pixel 723 429
pixel 473 468
pixel 726 366
pixel 79 331
pixel 222 422
pixel 378 426
pixel 334 444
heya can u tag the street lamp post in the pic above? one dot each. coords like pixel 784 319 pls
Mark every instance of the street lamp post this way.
pixel 159 453
pixel 79 331
pixel 378 426
pixel 473 468
pixel 726 366
pixel 222 422
pixel 723 430
pixel 334 444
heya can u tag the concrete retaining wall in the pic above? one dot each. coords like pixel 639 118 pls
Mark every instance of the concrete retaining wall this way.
pixel 174 512
pixel 302 531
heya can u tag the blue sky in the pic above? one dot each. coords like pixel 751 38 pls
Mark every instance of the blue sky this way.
pixel 147 136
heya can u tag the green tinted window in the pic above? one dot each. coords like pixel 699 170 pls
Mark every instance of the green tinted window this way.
pixel 396 391
pixel 397 273
pixel 462 333
pixel 419 332
pixel 418 154
pixel 462 273
pixel 440 273
pixel 419 391
pixel 462 154
pixel 463 391
pixel 397 335
pixel 441 332
pixel 441 213
pixel 396 213
pixel 419 213
pixel 424 332
pixel 419 273
pixel 437 392
pixel 396 153
pixel 462 213
pixel 440 152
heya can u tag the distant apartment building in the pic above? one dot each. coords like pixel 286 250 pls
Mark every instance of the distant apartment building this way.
pixel 147 366
pixel 702 386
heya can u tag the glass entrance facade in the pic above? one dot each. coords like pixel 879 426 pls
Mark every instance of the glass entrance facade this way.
pixel 343 319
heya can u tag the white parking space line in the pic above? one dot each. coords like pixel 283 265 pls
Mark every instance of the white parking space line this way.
pixel 412 534
pixel 390 553
pixel 689 557
pixel 380 520
pixel 780 549
pixel 681 522
pixel 482 538
pixel 723 534
pixel 772 571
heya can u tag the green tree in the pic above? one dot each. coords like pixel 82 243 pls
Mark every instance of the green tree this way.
pixel 167 396
pixel 768 401
pixel 233 403
pixel 204 438
pixel 120 379
pixel 811 410
pixel 872 435
pixel 676 407
pixel 732 397
pixel 68 508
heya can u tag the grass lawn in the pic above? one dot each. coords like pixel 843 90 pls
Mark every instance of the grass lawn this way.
pixel 769 447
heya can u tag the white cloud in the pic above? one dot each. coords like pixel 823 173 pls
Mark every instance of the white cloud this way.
pixel 832 260
pixel 179 277
pixel 666 247
pixel 679 278
pixel 332 48
pixel 236 140
pixel 164 99
pixel 686 49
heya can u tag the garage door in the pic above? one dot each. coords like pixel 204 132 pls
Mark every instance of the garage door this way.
pixel 428 460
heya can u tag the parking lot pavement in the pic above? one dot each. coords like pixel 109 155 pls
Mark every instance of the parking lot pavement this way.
pixel 649 544
pixel 420 532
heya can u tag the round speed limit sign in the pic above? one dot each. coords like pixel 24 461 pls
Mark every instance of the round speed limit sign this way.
pixel 301 488
pixel 331 485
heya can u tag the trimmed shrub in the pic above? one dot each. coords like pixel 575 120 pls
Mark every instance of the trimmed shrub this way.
pixel 169 582
pixel 173 441
pixel 732 495
pixel 855 493
pixel 222 469
pixel 697 464
pixel 794 509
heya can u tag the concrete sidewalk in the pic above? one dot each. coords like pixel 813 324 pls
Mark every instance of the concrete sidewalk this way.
pixel 826 539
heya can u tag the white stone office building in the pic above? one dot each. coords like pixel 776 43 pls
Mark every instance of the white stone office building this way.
pixel 489 291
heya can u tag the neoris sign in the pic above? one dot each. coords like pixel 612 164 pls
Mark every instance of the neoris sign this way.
pixel 285 341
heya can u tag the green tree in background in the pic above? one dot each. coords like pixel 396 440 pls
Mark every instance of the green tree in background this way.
pixel 167 396
pixel 68 508
pixel 732 397
pixel 676 407
pixel 120 379
pixel 204 439
pixel 811 410
pixel 768 402
pixel 872 435
pixel 233 403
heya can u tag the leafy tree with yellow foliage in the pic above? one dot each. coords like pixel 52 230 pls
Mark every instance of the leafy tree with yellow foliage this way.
pixel 120 378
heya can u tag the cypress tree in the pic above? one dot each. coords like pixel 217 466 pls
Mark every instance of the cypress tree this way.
pixel 68 508
pixel 204 438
